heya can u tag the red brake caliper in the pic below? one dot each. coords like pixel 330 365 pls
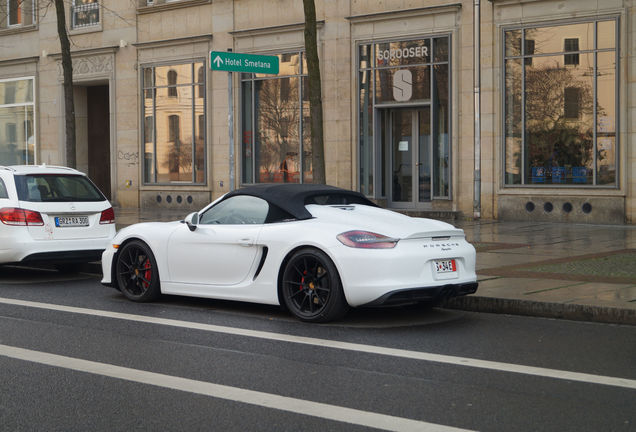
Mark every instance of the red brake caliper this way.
pixel 147 273
pixel 302 281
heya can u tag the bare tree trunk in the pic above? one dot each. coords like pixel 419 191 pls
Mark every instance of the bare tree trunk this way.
pixel 67 67
pixel 315 92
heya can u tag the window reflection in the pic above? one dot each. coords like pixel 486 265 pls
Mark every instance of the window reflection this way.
pixel 276 129
pixel 569 111
pixel 17 132
pixel 174 125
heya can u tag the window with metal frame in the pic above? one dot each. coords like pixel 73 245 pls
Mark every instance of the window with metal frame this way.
pixel 174 116
pixel 561 104
pixel 276 139
pixel 14 13
pixel 85 13
pixel 17 120
pixel 403 73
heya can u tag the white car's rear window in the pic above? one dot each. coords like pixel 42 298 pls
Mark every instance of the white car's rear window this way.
pixel 3 190
pixel 56 188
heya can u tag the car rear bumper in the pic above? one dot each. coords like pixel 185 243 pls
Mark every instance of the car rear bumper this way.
pixel 414 295
pixel 83 250
pixel 405 273
pixel 64 256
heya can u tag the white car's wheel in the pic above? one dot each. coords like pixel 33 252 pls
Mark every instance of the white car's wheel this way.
pixel 137 275
pixel 312 290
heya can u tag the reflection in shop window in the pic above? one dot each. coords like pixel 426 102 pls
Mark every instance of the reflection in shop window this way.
pixel 571 44
pixel 17 134
pixel 560 107
pixel 572 100
pixel 201 81
pixel 276 144
pixel 174 129
pixel 148 129
pixel 172 81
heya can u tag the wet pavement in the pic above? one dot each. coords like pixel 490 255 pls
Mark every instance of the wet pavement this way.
pixel 558 270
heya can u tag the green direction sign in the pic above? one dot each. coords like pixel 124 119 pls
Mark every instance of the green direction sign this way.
pixel 248 63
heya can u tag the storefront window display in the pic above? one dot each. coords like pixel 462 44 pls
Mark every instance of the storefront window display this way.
pixel 560 104
pixel 276 145
pixel 174 123
pixel 404 120
pixel 17 122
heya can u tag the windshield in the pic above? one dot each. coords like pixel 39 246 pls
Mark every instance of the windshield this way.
pixel 56 188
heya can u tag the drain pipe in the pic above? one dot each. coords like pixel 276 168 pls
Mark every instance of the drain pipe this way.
pixel 477 95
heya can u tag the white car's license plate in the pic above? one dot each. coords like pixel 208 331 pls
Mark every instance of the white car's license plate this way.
pixel 71 221
pixel 445 269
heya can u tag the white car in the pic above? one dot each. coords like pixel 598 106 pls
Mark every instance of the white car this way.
pixel 316 250
pixel 52 215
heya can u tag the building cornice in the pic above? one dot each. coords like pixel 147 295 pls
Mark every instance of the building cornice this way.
pixel 170 6
pixel 429 10
pixel 21 60
pixel 172 42
pixel 87 52
pixel 287 28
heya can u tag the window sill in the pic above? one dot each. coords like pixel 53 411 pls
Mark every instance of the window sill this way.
pixel 170 6
pixel 88 29
pixel 556 190
pixel 18 29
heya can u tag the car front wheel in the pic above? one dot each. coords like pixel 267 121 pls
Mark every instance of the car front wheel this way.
pixel 137 274
pixel 312 289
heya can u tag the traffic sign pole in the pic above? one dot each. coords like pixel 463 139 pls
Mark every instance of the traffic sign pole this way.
pixel 230 117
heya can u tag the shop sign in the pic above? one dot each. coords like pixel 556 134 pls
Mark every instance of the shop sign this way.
pixel 402 85
pixel 396 55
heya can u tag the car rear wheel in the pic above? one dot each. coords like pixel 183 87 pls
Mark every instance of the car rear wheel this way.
pixel 312 290
pixel 137 275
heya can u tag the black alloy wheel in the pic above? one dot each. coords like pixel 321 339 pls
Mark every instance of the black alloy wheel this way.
pixel 137 275
pixel 312 290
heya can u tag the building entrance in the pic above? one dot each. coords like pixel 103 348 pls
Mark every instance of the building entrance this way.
pixel 92 121
pixel 407 132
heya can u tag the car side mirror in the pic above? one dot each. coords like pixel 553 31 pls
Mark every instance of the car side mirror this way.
pixel 192 220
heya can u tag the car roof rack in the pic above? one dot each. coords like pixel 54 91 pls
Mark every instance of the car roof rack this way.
pixel 56 167
pixel 15 167
pixel 7 168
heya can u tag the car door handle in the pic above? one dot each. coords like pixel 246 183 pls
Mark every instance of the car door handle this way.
pixel 246 242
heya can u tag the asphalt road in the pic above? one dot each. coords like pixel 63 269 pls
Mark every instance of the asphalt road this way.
pixel 76 356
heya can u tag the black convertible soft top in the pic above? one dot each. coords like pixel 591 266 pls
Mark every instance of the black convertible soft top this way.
pixel 293 197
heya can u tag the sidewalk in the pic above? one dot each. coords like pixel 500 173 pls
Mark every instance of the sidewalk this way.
pixel 572 271
pixel 556 270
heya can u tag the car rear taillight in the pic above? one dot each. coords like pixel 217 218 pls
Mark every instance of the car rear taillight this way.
pixel 108 216
pixel 18 216
pixel 366 240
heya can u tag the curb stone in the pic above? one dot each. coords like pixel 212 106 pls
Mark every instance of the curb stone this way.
pixel 575 312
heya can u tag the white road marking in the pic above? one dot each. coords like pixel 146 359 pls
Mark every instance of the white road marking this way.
pixel 370 349
pixel 267 400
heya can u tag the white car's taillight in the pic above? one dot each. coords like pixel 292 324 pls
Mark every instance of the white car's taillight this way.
pixel 366 240
pixel 108 216
pixel 20 217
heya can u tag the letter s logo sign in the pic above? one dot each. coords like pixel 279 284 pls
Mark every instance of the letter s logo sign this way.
pixel 402 85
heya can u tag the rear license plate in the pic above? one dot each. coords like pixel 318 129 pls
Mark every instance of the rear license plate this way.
pixel 445 269
pixel 71 221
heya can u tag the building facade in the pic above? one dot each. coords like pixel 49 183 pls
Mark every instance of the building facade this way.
pixel 545 133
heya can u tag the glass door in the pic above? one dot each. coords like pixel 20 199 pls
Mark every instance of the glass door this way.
pixel 410 137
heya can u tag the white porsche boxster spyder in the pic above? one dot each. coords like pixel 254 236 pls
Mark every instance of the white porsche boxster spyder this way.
pixel 316 250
